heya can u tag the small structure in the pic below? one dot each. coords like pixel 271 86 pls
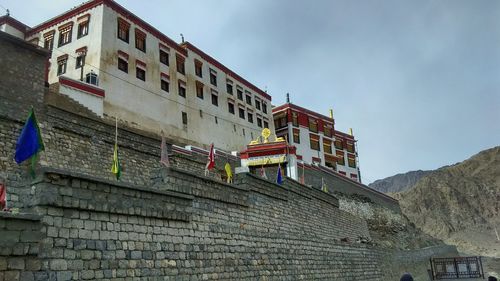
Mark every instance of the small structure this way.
pixel 456 268
pixel 263 153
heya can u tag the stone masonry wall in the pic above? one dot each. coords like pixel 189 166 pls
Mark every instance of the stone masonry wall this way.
pixel 193 228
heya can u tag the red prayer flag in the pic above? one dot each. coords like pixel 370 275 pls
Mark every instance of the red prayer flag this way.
pixel 211 158
pixel 3 196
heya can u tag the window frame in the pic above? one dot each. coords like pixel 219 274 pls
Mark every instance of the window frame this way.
pixel 180 64
pixel 140 40
pixel 181 88
pixel 230 108
pixel 164 57
pixel 65 34
pixel 199 86
pixel 213 77
pixel 123 25
pixel 198 68
pixel 313 140
pixel 241 112
pixel 83 29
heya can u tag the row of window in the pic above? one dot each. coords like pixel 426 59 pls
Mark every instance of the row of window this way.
pixel 281 121
pixel 185 122
pixel 140 43
pixel 165 86
pixel 66 33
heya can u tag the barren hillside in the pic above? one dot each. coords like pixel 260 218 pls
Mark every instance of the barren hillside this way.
pixel 460 203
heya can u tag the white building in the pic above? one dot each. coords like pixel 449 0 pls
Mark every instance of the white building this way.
pixel 117 65
pixel 316 139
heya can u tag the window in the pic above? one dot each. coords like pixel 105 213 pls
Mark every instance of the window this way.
pixel 199 89
pixel 314 140
pixel 280 120
pixel 92 78
pixel 351 162
pixel 266 124
pixel 327 146
pixel 184 118
pixel 49 40
pixel 250 117
pixel 65 34
pixel 180 64
pixel 241 112
pixel 201 113
pixel 198 68
pixel 229 87
pixel 313 125
pixel 140 40
pixel 165 85
pixel 296 135
pixel 140 73
pixel 123 30
pixel 83 28
pixel 338 144
pixel 239 93
pixel 350 147
pixel 243 131
pixel 230 107
pixel 249 99
pixel 295 119
pixel 80 61
pixel 215 98
pixel 182 88
pixel 264 107
pixel 259 122
pixel 330 161
pixel 213 77
pixel 164 57
pixel 216 120
pixel 257 104
pixel 123 65
pixel 328 131
pixel 340 157
pixel 62 62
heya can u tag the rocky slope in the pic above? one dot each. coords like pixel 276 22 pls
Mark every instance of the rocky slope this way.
pixel 399 182
pixel 460 204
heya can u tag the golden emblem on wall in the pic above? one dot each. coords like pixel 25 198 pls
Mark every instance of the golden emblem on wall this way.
pixel 266 133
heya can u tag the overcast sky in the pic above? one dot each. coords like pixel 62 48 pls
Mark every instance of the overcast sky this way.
pixel 418 81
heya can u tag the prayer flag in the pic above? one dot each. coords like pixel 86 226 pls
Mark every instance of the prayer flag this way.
pixel 229 173
pixel 324 188
pixel 116 168
pixel 279 179
pixel 263 172
pixel 3 196
pixel 29 143
pixel 211 159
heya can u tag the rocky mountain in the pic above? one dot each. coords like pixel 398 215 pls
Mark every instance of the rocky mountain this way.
pixel 459 204
pixel 399 182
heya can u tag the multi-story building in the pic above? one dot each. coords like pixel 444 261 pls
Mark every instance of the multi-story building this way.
pixel 117 65
pixel 316 139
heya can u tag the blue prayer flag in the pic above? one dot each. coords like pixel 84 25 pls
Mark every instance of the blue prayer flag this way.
pixel 30 141
pixel 279 179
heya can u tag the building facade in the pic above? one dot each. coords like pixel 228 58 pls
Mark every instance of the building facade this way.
pixel 316 139
pixel 117 65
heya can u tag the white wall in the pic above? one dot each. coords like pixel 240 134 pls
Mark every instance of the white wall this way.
pixel 92 102
pixel 11 30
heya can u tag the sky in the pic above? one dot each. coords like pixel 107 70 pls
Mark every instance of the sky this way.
pixel 417 80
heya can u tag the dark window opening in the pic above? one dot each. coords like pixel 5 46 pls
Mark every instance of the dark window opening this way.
pixel 123 65
pixel 164 57
pixel 140 73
